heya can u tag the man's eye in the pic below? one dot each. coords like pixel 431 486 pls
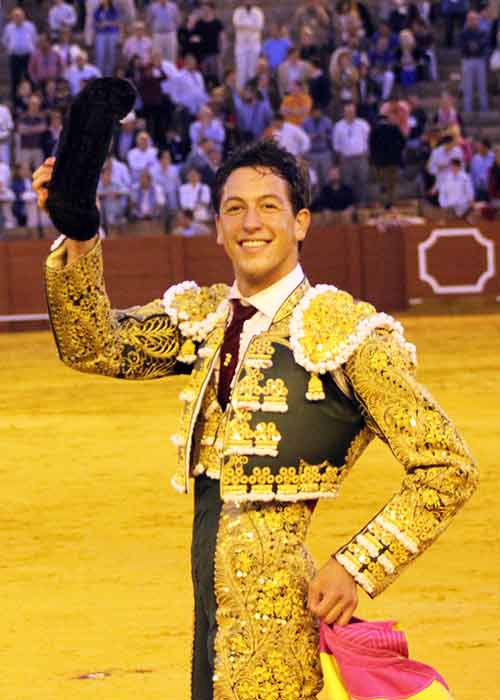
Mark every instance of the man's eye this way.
pixel 233 209
pixel 269 205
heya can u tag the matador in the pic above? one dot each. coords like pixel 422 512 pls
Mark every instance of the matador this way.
pixel 287 385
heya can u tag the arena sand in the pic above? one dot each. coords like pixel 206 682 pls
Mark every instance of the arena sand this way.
pixel 95 587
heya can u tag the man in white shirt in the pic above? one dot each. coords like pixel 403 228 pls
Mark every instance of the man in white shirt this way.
pixel 139 44
pixel 143 157
pixel 248 22
pixel 66 48
pixel 441 157
pixel 290 136
pixel 62 15
pixel 350 140
pixel 187 88
pixel 78 74
pixel 164 19
pixel 19 39
pixel 195 196
pixel 6 128
pixel 455 190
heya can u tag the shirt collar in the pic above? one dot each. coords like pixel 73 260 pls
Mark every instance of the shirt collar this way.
pixel 269 300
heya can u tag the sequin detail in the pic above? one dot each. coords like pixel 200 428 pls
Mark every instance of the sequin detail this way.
pixel 267 641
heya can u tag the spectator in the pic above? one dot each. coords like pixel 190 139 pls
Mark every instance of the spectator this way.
pixel 6 129
pixel 455 190
pixel 113 194
pixel 439 161
pixel 207 127
pixel 253 113
pixel 276 47
pixel 24 206
pixel 319 128
pixel 138 44
pixel 315 16
pixel 290 136
pixel 494 182
pixel 350 142
pixel 7 198
pixel 188 88
pixel 62 16
pixel 78 74
pixel 309 47
pixel 107 34
pixel 157 108
pixel 480 167
pixel 164 20
pixel 125 136
pixel 210 31
pixel 387 144
pixel 412 64
pixel 148 199
pixel 296 106
pixel 142 157
pixel 176 146
pixel 19 38
pixel 424 39
pixel 401 16
pixel 370 94
pixel 23 95
pixel 334 196
pixel 474 43
pixel 267 83
pixel 415 146
pixel 31 127
pixel 45 63
pixel 51 135
pixel 66 48
pixel 166 175
pixel 454 13
pixel 248 23
pixel 186 226
pixel 291 71
pixel 344 75
pixel 398 112
pixel 319 85
pixel 347 21
pixel 198 158
pixel 195 196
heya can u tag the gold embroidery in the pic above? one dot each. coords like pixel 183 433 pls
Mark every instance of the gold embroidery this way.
pixel 267 641
pixel 241 438
pixel 441 474
pixel 260 353
pixel 139 343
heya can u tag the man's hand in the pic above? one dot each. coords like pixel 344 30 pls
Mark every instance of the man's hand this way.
pixel 333 594
pixel 41 178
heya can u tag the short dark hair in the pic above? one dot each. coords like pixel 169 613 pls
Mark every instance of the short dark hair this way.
pixel 266 154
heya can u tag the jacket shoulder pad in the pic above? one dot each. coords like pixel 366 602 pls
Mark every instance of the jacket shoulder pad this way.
pixel 196 310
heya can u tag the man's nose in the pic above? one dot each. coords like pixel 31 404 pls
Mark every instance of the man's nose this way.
pixel 251 221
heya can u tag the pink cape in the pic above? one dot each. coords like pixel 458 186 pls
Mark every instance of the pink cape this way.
pixel 369 661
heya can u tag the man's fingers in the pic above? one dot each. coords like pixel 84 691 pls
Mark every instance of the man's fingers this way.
pixel 345 617
pixel 323 607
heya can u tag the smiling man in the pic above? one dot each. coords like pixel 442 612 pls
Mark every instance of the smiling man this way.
pixel 288 385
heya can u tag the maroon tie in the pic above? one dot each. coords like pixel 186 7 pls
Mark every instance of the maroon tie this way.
pixel 230 349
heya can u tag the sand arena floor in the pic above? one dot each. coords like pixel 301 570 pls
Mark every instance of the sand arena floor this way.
pixel 94 565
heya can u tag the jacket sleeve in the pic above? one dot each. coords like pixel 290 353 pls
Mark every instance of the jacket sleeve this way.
pixel 139 343
pixel 440 472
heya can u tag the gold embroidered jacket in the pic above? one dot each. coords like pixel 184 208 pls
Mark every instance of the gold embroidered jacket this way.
pixel 329 365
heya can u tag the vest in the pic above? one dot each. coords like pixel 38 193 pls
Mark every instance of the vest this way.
pixel 292 428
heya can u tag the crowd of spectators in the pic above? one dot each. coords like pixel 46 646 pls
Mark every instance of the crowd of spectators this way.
pixel 338 85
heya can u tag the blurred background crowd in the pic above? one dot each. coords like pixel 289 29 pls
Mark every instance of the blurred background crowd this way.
pixel 389 103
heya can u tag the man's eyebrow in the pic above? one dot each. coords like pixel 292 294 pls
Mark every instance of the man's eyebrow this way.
pixel 236 198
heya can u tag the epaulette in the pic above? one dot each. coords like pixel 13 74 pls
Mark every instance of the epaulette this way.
pixel 326 328
pixel 196 311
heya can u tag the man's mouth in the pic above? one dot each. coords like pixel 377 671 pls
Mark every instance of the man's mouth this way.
pixel 253 244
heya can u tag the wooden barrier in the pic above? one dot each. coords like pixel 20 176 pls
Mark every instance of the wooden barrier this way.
pixel 390 268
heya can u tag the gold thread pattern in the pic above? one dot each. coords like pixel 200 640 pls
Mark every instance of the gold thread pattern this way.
pixel 266 646
pixel 139 343
pixel 440 472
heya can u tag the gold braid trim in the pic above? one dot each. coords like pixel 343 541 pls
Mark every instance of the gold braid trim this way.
pixel 440 472
pixel 139 343
pixel 267 641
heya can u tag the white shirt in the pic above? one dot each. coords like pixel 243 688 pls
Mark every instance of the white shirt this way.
pixel 67 52
pixel 75 75
pixel 191 196
pixel 294 139
pixel 4 174
pixel 120 175
pixel 61 17
pixel 439 162
pixel 456 190
pixel 6 123
pixel 138 47
pixel 248 26
pixel 140 160
pixel 351 138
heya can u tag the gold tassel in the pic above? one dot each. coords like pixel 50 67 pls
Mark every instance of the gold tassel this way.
pixel 188 352
pixel 315 391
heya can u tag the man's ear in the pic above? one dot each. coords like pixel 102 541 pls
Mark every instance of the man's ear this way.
pixel 302 223
pixel 218 229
